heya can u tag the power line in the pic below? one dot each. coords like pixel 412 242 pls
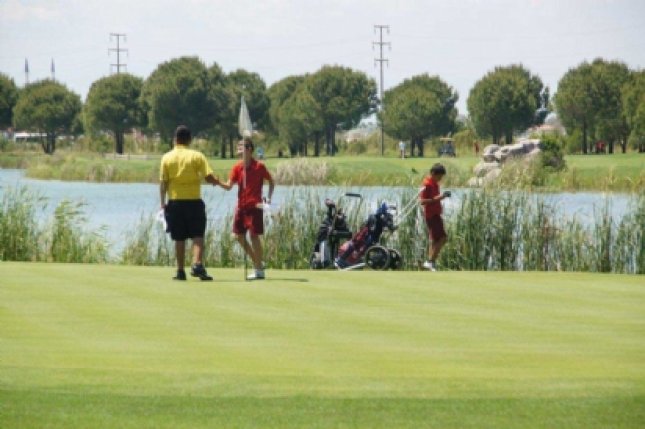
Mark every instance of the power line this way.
pixel 118 51
pixel 380 60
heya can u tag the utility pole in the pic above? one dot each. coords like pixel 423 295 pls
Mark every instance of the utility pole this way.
pixel 118 51
pixel 380 60
pixel 53 70
pixel 26 72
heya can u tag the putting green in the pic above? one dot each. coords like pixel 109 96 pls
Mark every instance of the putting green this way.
pixel 122 346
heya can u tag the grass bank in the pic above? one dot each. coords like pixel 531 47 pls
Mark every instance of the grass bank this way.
pixel 116 346
pixel 618 172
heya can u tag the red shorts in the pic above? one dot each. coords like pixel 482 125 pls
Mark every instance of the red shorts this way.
pixel 435 227
pixel 248 220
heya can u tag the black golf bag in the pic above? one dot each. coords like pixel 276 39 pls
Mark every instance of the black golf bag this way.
pixel 332 230
pixel 364 248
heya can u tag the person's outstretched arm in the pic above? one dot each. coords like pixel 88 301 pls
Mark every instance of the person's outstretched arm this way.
pixel 226 185
pixel 213 180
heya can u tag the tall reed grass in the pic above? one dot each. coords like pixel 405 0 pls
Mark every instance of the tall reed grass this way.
pixel 303 171
pixel 65 239
pixel 147 244
pixel 27 234
pixel 489 229
pixel 19 230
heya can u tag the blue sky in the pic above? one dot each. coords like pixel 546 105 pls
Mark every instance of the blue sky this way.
pixel 458 40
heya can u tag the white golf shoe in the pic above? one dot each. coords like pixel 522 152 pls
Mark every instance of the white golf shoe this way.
pixel 257 275
pixel 430 266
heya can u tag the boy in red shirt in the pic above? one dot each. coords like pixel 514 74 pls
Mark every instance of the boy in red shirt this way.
pixel 430 198
pixel 249 175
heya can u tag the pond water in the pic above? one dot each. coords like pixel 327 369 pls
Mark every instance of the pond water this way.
pixel 118 207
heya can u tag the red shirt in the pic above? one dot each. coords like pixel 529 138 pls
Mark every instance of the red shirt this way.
pixel 429 190
pixel 249 188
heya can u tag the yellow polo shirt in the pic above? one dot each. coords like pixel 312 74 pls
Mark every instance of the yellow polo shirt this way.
pixel 184 170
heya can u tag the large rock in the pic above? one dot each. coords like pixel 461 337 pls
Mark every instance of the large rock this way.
pixel 483 168
pixel 494 156
pixel 517 150
pixel 488 155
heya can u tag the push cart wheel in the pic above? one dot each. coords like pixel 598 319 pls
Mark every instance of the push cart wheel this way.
pixel 377 258
pixel 396 260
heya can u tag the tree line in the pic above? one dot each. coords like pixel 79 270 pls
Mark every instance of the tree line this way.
pixel 598 100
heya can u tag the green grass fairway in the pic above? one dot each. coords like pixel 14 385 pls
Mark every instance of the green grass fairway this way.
pixel 116 346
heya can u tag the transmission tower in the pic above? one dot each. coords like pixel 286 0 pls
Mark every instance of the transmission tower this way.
pixel 380 61
pixel 118 50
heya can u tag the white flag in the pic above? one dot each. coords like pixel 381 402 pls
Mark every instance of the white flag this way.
pixel 245 126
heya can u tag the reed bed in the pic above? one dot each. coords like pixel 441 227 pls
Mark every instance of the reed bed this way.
pixel 147 244
pixel 19 230
pixel 26 234
pixel 489 229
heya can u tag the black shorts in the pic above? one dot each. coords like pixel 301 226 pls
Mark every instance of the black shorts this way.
pixel 185 219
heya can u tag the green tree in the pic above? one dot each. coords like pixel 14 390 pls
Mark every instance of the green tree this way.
pixel 8 98
pixel 589 99
pixel 113 104
pixel 300 118
pixel 46 107
pixel 252 87
pixel 633 98
pixel 225 101
pixel 294 115
pixel 419 108
pixel 278 93
pixel 575 102
pixel 505 101
pixel 178 92
pixel 608 81
pixel 344 96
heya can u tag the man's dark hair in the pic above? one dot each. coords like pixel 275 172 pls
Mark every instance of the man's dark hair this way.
pixel 438 168
pixel 182 135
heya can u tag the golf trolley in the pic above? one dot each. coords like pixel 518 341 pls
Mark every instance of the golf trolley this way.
pixel 364 248
pixel 332 230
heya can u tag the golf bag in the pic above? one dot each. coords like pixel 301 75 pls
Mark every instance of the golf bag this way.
pixel 364 248
pixel 332 229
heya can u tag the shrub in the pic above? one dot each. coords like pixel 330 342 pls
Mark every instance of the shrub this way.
pixel 552 156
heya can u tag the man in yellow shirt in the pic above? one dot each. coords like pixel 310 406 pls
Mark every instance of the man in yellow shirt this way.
pixel 181 175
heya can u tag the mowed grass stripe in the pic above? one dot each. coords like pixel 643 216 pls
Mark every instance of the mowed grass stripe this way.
pixel 400 339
